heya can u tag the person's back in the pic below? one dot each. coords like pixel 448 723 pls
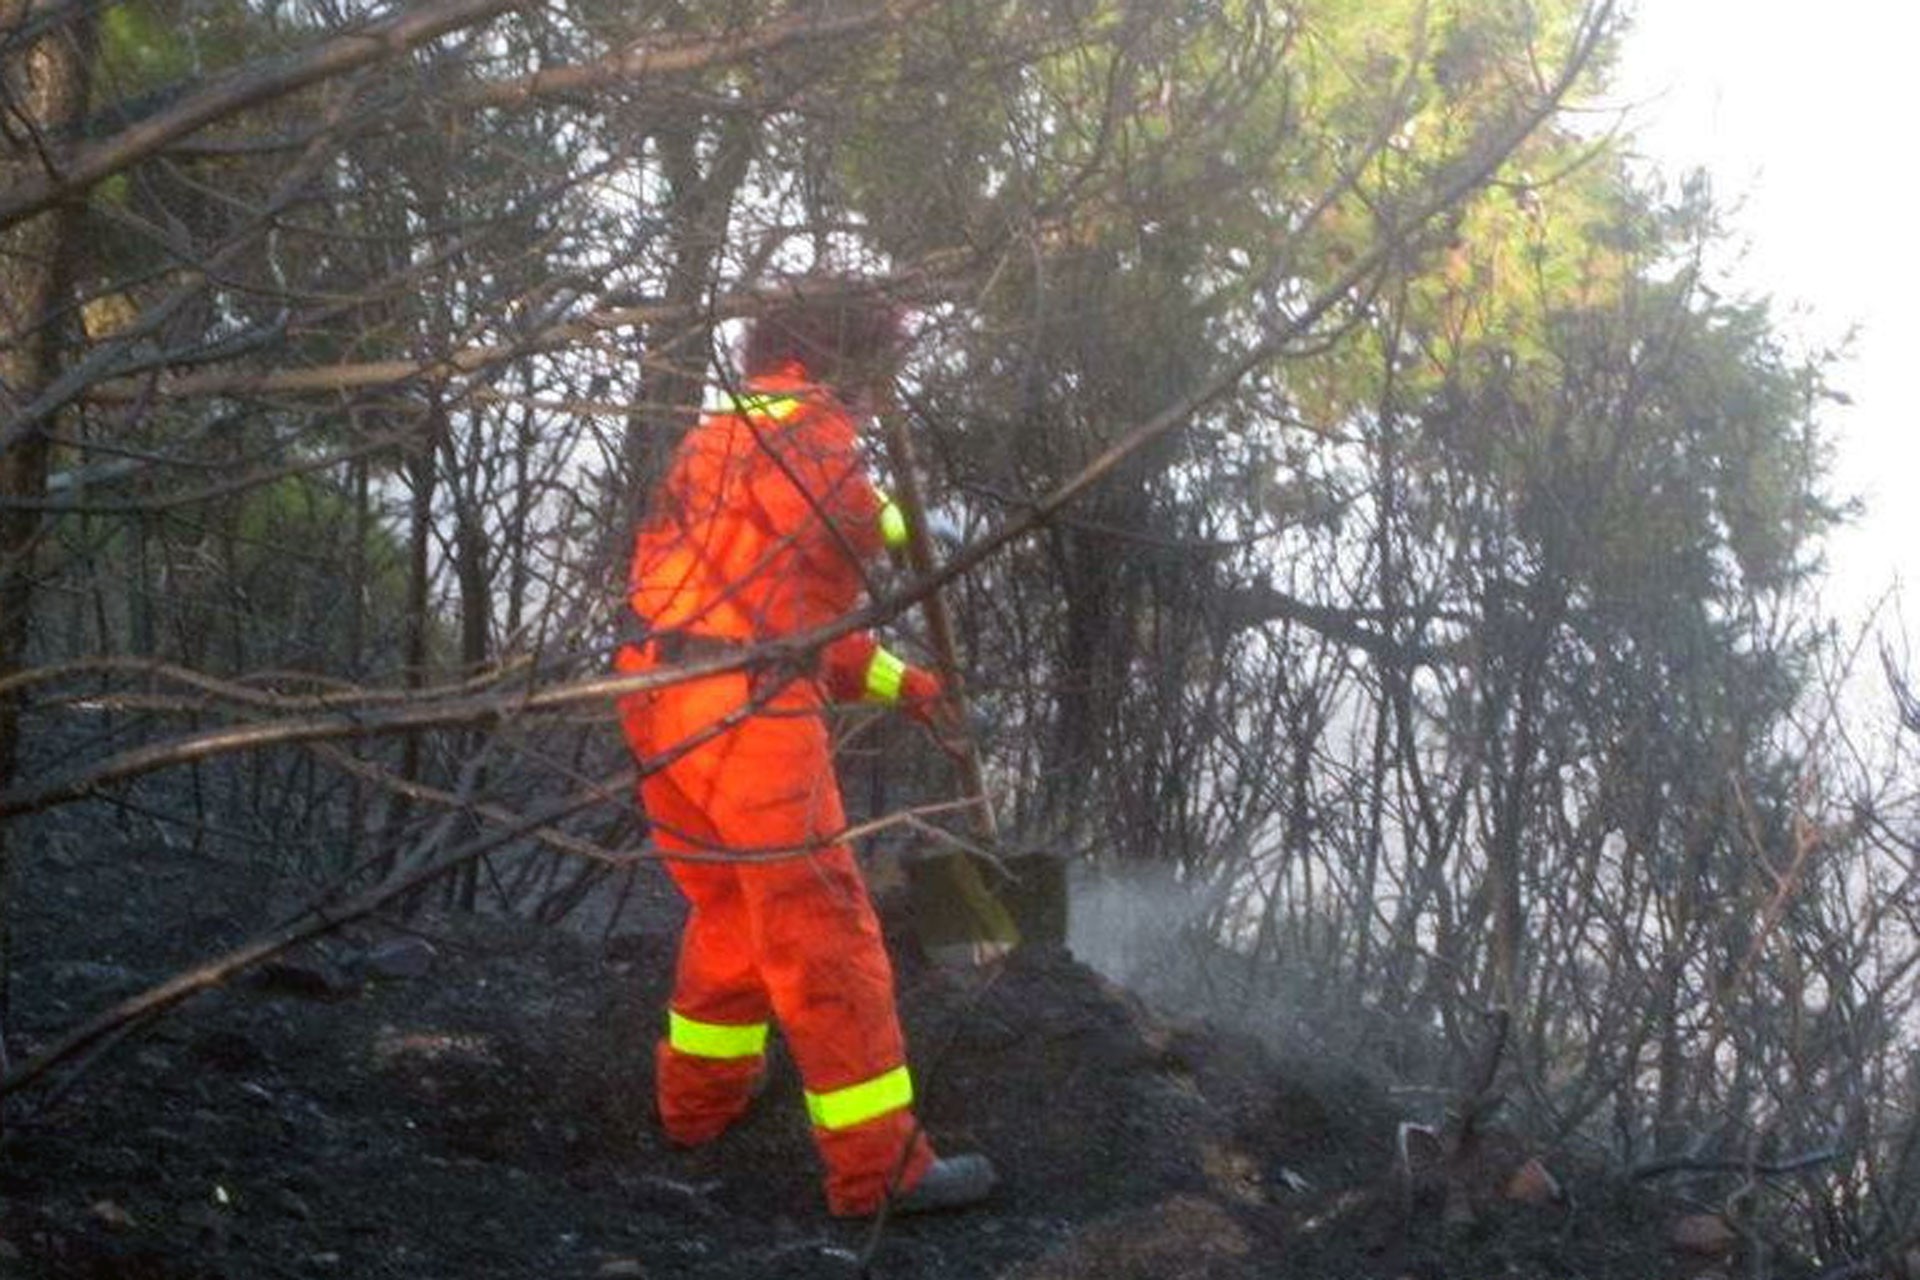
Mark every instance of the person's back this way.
pixel 761 523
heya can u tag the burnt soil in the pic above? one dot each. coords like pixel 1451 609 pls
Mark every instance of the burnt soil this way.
pixel 491 1116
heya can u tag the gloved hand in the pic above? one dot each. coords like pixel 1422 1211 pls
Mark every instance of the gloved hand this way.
pixel 924 697
pixel 854 667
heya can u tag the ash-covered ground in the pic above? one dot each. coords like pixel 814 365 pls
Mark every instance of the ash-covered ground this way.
pixel 471 1096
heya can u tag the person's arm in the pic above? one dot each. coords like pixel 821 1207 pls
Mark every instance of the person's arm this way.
pixel 814 489
pixel 857 668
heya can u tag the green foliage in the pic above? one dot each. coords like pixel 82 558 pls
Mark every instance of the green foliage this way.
pixel 1500 556
pixel 293 574
pixel 1525 526
pixel 265 579
pixel 151 51
pixel 144 47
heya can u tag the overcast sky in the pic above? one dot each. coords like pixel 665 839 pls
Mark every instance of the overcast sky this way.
pixel 1804 115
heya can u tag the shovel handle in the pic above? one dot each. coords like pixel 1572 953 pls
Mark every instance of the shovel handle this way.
pixel 933 608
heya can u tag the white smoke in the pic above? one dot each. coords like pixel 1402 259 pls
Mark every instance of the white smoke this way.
pixel 1125 923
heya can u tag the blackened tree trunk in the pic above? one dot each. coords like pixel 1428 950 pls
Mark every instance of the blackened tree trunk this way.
pixel 45 82
pixel 421 472
pixel 699 205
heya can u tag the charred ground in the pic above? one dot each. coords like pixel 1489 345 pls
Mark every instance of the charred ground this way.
pixel 346 1113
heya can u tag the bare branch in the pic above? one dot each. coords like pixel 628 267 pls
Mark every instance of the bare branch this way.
pixel 389 38
pixel 247 87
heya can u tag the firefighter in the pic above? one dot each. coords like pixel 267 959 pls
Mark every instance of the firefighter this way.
pixel 758 531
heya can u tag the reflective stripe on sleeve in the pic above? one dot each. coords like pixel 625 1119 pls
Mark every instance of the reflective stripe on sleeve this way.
pixel 885 674
pixel 699 1039
pixel 859 1103
pixel 893 523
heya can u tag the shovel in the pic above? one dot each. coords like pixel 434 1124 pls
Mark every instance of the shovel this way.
pixel 958 916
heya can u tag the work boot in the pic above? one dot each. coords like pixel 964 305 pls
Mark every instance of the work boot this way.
pixel 951 1182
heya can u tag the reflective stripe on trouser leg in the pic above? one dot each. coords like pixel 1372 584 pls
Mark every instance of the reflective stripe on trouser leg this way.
pixel 717 993
pixel 859 1103
pixel 715 1039
pixel 816 947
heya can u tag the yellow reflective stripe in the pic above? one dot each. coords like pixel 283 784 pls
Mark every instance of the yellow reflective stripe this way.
pixel 885 675
pixel 715 1039
pixel 774 408
pixel 859 1103
pixel 893 523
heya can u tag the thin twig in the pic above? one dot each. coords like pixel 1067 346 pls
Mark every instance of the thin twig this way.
pixel 1764 1168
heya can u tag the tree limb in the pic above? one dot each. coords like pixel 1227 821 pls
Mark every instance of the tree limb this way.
pixel 1768 1168
pixel 1468 174
pixel 250 86
pixel 247 87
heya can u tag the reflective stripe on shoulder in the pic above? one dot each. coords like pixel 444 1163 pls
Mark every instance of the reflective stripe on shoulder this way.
pixel 859 1103
pixel 699 1039
pixel 771 406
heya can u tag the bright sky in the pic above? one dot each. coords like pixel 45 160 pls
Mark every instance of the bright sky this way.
pixel 1803 113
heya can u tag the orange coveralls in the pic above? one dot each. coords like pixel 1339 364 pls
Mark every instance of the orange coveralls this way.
pixel 758 531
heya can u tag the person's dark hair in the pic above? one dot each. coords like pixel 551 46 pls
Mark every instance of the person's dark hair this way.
pixel 841 335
